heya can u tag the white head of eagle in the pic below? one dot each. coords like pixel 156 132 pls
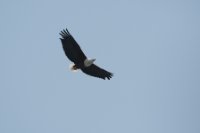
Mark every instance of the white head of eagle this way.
pixel 75 54
pixel 87 63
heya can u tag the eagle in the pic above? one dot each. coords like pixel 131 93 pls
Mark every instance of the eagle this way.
pixel 75 54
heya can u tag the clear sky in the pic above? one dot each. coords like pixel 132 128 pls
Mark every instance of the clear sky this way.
pixel 152 47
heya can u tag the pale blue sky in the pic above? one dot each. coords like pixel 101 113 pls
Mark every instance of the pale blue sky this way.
pixel 152 47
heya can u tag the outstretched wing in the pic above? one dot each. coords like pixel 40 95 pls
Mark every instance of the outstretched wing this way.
pixel 96 71
pixel 71 47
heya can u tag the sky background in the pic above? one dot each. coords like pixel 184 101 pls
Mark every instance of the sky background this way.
pixel 152 47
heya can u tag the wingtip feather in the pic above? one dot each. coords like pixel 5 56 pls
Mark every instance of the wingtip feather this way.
pixel 65 33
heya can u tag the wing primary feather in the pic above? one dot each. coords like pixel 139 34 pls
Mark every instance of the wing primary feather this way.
pixel 67 31
pixel 96 71
pixel 71 47
pixel 64 33
pixel 61 34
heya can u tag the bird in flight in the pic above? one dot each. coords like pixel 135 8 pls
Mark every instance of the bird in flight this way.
pixel 75 54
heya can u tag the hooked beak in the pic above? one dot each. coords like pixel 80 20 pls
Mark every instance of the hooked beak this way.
pixel 93 60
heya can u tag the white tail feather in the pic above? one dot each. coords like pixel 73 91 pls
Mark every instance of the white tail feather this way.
pixel 71 68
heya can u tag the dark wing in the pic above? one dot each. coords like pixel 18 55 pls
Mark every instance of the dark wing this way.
pixel 96 71
pixel 71 47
